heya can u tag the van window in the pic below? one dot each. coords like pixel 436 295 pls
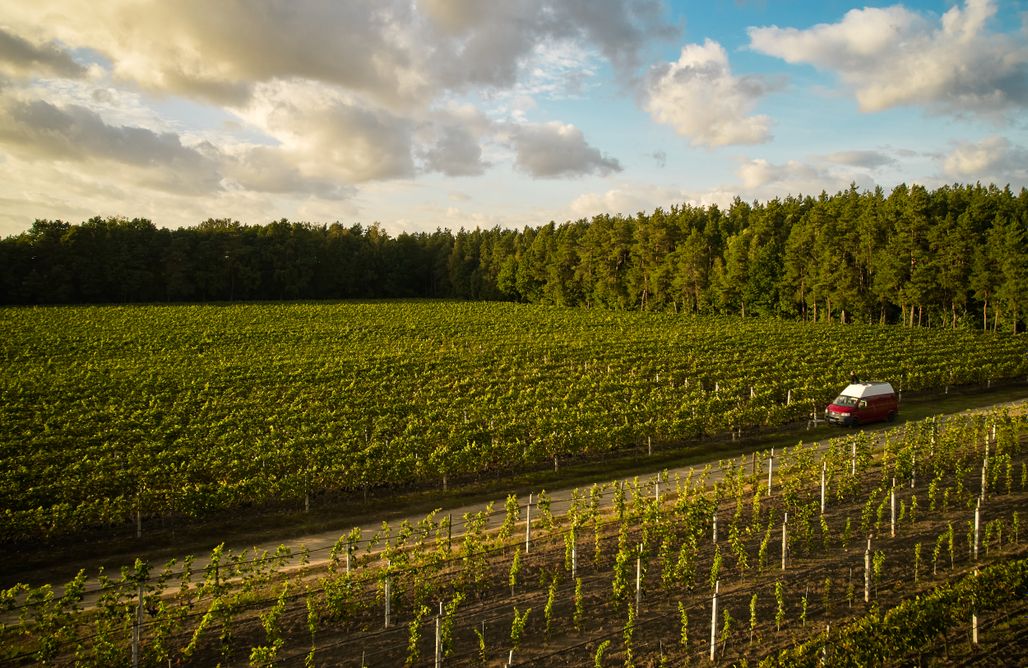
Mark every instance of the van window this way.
pixel 862 404
pixel 843 400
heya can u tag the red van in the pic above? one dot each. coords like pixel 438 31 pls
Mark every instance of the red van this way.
pixel 861 403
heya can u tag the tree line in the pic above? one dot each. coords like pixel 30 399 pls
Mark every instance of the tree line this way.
pixel 956 256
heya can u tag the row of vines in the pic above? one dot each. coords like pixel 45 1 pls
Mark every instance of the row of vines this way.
pixel 776 559
pixel 122 416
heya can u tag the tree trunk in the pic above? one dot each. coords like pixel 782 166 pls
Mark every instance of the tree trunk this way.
pixel 954 307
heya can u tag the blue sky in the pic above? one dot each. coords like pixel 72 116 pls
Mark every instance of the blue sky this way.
pixel 418 114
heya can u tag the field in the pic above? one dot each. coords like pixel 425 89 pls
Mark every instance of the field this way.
pixel 902 547
pixel 123 416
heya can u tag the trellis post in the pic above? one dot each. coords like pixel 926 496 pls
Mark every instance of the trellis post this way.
pixel 824 469
pixel 713 619
pixel 785 539
pixel 528 523
pixel 770 470
pixel 867 572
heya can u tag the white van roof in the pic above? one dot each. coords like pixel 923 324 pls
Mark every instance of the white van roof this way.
pixel 862 390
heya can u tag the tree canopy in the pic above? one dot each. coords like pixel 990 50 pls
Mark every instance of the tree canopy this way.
pixel 954 256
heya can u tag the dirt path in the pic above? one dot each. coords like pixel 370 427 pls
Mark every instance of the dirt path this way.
pixel 318 546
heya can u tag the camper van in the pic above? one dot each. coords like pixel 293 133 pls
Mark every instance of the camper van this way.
pixel 861 403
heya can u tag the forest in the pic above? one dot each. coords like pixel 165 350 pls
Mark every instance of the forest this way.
pixel 956 256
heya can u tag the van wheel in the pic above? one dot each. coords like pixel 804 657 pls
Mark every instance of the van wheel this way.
pixel 892 416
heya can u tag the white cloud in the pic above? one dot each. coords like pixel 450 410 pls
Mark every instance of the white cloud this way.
pixel 629 198
pixel 861 158
pixel 993 159
pixel 701 99
pixel 762 179
pixel 553 149
pixel 38 130
pixel 893 56
pixel 20 57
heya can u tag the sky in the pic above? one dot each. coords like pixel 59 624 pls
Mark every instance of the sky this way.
pixel 426 114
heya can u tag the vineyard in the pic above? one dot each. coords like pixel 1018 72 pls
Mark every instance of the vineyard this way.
pixel 123 416
pixel 867 549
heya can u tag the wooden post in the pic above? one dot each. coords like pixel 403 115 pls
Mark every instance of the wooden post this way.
pixel 913 469
pixel 974 618
pixel 824 468
pixel 439 637
pixel 867 572
pixel 892 504
pixel 137 627
pixel 649 445
pixel 770 470
pixel 713 619
pixel 853 460
pixel 715 526
pixel 528 523
pixel 388 595
pixel 977 524
pixel 785 539
pixel 788 398
pixel 449 533
pixel 638 580
pixel 574 559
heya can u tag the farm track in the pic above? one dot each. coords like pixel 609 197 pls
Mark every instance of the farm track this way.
pixel 575 646
pixel 318 545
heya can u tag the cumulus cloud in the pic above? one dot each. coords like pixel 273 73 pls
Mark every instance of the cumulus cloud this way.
pixel 993 159
pixel 861 158
pixel 557 150
pixel 763 179
pixel 400 54
pixel 334 136
pixel 36 129
pixel 20 57
pixel 630 198
pixel 892 56
pixel 456 153
pixel 701 99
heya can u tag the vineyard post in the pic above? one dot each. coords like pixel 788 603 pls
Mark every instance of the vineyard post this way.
pixel 977 521
pixel 788 398
pixel 892 506
pixel 824 468
pixel 528 522
pixel 867 572
pixel 439 637
pixel 853 460
pixel 784 539
pixel 649 445
pixel 713 620
pixel 638 579
pixel 656 488
pixel 449 533
pixel 137 626
pixel 574 559
pixel 139 513
pixel 715 527
pixel 770 470
pixel 388 594
pixel 913 468
pixel 974 616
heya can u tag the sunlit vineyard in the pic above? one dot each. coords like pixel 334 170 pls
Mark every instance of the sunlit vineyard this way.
pixel 113 414
pixel 904 546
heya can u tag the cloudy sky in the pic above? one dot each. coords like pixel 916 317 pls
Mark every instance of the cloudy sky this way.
pixel 420 114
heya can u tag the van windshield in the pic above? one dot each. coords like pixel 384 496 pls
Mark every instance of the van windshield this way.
pixel 843 400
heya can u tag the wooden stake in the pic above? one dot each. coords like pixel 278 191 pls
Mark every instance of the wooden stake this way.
pixel 977 524
pixel 824 469
pixel 713 619
pixel 867 572
pixel 528 523
pixel 892 504
pixel 388 596
pixel 785 539
pixel 770 470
